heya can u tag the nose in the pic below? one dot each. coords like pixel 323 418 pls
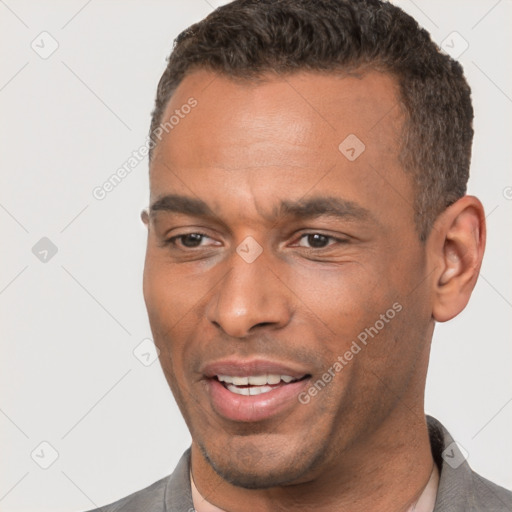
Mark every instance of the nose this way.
pixel 250 297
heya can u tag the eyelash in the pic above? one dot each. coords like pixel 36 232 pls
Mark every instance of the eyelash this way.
pixel 172 241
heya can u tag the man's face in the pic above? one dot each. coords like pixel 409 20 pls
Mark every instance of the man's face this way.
pixel 257 167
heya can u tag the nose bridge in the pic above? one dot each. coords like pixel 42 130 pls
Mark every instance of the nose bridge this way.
pixel 250 295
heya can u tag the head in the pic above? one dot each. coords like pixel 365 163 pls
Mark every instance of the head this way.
pixel 307 217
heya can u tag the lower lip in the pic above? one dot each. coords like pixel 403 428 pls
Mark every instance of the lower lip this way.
pixel 253 408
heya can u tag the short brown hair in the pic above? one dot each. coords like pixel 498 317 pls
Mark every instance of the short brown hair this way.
pixel 247 38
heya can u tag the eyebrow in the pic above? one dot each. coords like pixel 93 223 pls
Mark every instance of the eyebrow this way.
pixel 324 206
pixel 300 209
pixel 174 203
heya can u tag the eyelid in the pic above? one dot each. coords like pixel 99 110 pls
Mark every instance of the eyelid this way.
pixel 173 239
pixel 340 238
pixel 188 229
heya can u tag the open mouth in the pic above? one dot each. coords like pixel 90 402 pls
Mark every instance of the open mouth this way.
pixel 256 384
pixel 253 390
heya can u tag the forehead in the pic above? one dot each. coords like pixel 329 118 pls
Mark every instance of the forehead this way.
pixel 283 135
pixel 303 110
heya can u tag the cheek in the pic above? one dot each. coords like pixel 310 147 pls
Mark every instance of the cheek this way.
pixel 365 315
pixel 167 301
pixel 169 293
pixel 176 301
pixel 345 299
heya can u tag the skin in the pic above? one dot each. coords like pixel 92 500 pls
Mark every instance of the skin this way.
pixel 362 442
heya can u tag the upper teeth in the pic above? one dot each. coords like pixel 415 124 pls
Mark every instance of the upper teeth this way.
pixel 255 380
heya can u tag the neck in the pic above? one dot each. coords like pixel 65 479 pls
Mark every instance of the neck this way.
pixel 387 470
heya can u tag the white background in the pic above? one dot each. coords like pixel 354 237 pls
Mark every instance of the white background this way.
pixel 69 326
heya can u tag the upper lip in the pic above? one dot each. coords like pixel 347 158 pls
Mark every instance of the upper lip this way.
pixel 246 368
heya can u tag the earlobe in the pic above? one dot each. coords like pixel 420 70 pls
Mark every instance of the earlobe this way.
pixel 461 231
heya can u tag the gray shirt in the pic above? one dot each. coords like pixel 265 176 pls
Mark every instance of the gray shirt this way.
pixel 460 488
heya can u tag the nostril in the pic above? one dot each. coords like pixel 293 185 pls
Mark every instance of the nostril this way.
pixel 262 324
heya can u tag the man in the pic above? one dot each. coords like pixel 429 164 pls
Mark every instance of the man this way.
pixel 303 239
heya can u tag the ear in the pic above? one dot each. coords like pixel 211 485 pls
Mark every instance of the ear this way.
pixel 144 217
pixel 457 244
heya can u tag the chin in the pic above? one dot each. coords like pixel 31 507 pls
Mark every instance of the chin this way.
pixel 258 467
pixel 260 477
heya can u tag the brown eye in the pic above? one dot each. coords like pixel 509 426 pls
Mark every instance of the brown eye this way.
pixel 191 239
pixel 315 240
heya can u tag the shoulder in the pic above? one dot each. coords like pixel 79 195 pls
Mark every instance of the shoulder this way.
pixel 488 496
pixel 150 498
pixel 172 492
pixel 460 488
